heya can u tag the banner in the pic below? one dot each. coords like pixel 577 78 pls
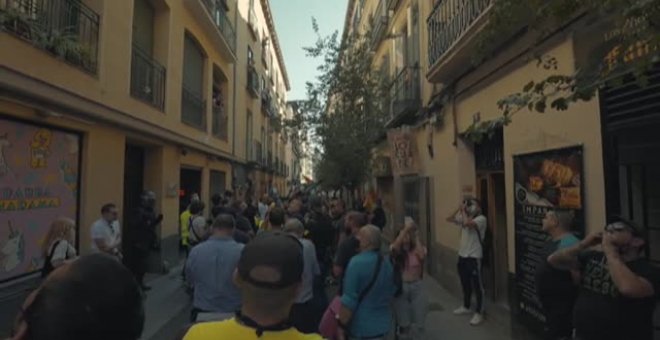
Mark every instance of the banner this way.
pixel 39 169
pixel 543 181
pixel 405 158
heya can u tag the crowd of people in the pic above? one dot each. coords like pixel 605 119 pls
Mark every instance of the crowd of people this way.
pixel 264 271
pixel 336 246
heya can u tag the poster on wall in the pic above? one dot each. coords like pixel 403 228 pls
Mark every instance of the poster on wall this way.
pixel 39 169
pixel 543 181
pixel 405 158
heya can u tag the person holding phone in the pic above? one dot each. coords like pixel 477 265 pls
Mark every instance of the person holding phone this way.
pixel 410 307
pixel 619 288
pixel 470 252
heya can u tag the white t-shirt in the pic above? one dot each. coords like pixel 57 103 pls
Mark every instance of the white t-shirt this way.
pixel 110 232
pixel 200 229
pixel 63 251
pixel 470 245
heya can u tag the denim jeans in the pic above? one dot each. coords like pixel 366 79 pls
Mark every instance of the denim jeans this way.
pixel 411 308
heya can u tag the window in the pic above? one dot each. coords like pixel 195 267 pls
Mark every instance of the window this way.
pixel 217 182
pixel 143 26
pixel 250 56
pixel 192 102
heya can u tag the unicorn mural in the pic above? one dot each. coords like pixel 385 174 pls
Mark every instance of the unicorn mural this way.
pixel 13 250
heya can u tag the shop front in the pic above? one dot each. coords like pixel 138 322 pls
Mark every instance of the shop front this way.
pixel 39 182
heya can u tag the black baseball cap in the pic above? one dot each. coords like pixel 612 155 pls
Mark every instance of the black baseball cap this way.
pixel 621 223
pixel 279 252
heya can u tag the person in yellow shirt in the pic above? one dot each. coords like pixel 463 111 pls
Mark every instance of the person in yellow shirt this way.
pixel 184 231
pixel 268 275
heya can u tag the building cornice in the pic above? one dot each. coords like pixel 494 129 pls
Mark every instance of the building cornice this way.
pixel 268 14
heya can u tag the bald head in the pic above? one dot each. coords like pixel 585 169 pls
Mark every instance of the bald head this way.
pixel 369 237
pixel 294 226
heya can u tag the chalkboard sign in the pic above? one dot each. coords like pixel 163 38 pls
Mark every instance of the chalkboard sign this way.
pixel 543 181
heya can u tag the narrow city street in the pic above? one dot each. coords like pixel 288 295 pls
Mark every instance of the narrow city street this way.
pixel 168 311
pixel 503 154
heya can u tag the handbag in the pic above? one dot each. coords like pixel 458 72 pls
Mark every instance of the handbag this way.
pixel 329 326
pixel 48 266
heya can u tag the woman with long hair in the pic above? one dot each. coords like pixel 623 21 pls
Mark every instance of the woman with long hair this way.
pixel 59 246
pixel 410 306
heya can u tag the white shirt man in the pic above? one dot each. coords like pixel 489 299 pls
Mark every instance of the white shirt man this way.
pixel 473 226
pixel 106 232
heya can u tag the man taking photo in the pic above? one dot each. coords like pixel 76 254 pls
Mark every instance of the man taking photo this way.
pixel 619 287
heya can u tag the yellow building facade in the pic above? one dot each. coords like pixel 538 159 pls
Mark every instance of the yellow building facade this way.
pixel 100 100
pixel 426 49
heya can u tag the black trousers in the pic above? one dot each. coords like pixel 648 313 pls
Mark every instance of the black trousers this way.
pixel 559 316
pixel 469 271
pixel 136 261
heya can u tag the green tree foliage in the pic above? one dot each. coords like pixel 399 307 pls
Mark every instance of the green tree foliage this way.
pixel 343 110
pixel 630 44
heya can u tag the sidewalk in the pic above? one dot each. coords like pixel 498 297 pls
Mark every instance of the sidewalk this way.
pixel 165 302
pixel 442 324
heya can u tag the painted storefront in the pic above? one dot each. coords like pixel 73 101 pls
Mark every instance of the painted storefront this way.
pixel 39 176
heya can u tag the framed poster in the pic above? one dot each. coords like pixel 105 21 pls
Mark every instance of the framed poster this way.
pixel 543 181
pixel 39 181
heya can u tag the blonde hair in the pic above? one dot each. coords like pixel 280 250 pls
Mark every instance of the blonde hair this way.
pixel 62 228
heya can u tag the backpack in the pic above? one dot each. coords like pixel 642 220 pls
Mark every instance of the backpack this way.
pixel 486 246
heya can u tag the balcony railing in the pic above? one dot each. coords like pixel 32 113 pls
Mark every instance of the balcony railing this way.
pixel 193 110
pixel 66 28
pixel 147 79
pixel 448 21
pixel 267 103
pixel 405 93
pixel 253 81
pixel 380 24
pixel 218 11
pixel 220 121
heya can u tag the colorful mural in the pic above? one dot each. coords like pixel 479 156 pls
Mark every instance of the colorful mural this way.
pixel 39 169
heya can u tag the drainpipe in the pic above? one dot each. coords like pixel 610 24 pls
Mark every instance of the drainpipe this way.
pixel 233 121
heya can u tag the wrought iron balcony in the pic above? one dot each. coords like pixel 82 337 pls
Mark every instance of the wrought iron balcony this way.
pixel 147 79
pixel 67 29
pixel 266 101
pixel 193 108
pixel 253 81
pixel 220 121
pixel 380 24
pixel 218 11
pixel 405 95
pixel 213 18
pixel 451 22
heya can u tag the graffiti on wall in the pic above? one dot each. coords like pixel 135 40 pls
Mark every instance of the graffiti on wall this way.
pixel 39 170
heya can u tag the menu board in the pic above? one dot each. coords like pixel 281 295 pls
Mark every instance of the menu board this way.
pixel 543 181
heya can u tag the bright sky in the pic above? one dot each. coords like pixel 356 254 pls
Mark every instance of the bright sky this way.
pixel 293 22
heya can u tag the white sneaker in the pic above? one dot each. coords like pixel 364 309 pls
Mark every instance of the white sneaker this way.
pixel 477 319
pixel 462 311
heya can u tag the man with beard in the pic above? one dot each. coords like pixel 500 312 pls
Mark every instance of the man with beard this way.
pixel 142 237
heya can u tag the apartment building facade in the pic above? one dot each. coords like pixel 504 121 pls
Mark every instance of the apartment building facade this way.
pixel 430 164
pixel 100 100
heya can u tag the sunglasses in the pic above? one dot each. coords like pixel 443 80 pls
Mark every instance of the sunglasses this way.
pixel 619 227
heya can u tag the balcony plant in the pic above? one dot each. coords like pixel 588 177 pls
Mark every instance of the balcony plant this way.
pixel 17 22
